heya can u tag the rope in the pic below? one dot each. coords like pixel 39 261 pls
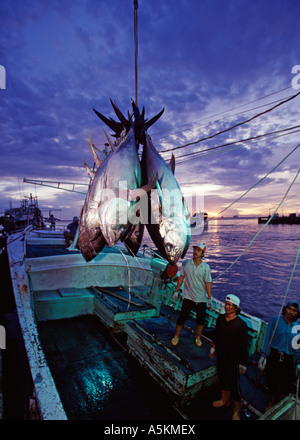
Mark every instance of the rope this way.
pixel 284 299
pixel 240 141
pixel 259 232
pixel 129 280
pixel 253 186
pixel 297 400
pixel 136 5
pixel 236 125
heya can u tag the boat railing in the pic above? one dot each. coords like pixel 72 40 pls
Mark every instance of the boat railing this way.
pixel 149 251
pixel 256 326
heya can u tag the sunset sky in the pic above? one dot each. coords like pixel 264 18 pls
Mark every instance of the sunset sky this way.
pixel 211 64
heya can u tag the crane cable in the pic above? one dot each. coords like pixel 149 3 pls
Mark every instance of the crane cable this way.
pixel 136 5
pixel 259 232
pixel 234 126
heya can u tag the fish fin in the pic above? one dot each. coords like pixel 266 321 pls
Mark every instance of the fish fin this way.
pixel 95 157
pixel 109 141
pixel 125 122
pixel 90 172
pixel 133 236
pixel 133 194
pixel 172 164
pixel 117 127
pixel 154 119
pixel 162 207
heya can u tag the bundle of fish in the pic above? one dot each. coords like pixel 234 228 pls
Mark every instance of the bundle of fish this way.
pixel 126 194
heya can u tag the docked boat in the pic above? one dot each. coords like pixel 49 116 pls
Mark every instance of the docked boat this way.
pixel 18 218
pixel 63 304
pixel 291 219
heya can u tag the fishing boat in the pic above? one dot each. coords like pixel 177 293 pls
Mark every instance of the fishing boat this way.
pixel 291 219
pixel 56 292
pixel 16 219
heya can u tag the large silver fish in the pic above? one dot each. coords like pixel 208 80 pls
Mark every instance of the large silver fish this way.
pixel 122 174
pixel 120 181
pixel 168 217
pixel 91 240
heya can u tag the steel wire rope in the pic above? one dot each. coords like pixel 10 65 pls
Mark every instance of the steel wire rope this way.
pixel 242 141
pixel 225 111
pixel 297 403
pixel 236 125
pixel 283 301
pixel 260 231
pixel 136 5
pixel 253 186
pixel 129 279
pixel 207 153
pixel 174 132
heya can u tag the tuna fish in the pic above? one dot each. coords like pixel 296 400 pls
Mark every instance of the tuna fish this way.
pixel 91 240
pixel 110 211
pixel 168 217
pixel 109 214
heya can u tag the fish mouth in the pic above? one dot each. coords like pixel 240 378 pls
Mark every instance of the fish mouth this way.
pixel 173 253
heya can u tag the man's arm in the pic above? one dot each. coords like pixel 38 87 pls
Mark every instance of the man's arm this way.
pixel 179 283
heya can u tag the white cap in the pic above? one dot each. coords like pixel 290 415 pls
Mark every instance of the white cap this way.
pixel 233 299
pixel 201 246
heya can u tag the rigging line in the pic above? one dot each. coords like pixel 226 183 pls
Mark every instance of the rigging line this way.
pixel 183 160
pixel 240 141
pixel 236 125
pixel 229 110
pixel 136 5
pixel 259 181
pixel 260 231
pixel 206 153
pixel 129 280
pixel 215 121
pixel 283 301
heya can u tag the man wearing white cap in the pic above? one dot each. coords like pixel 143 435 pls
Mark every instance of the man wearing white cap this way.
pixel 197 285
pixel 230 342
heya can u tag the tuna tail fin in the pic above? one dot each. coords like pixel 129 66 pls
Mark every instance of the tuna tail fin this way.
pixel 125 122
pixel 90 172
pixel 95 157
pixel 172 164
pixel 154 119
pixel 109 141
pixel 117 127
pixel 142 115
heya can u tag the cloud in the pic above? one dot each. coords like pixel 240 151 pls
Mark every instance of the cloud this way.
pixel 202 61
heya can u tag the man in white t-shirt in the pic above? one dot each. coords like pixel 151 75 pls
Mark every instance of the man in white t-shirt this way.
pixel 197 285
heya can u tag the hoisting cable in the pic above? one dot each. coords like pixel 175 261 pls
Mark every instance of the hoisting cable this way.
pixel 136 5
pixel 236 125
pixel 297 403
pixel 224 112
pixel 284 299
pixel 241 141
pixel 259 232
pixel 253 186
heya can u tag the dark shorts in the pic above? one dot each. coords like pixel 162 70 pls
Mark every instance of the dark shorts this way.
pixel 187 306
pixel 229 377
pixel 280 373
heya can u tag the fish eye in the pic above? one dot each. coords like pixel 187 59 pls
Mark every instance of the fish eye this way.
pixel 169 247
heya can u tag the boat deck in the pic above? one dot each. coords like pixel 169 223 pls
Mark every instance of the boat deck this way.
pixel 95 377
pixel 81 314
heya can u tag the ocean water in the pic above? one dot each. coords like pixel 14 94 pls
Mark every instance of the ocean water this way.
pixel 260 278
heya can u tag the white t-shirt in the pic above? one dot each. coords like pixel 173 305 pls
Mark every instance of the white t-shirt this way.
pixel 194 280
